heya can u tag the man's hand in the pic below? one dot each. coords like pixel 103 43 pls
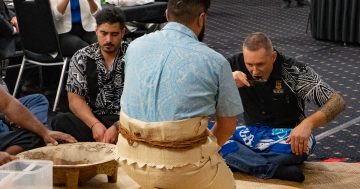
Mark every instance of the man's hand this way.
pixel 98 131
pixel 14 23
pixel 240 79
pixel 299 137
pixel 53 136
pixel 5 157
pixel 111 135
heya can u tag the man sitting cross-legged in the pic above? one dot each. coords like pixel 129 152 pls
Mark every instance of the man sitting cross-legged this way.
pixel 95 83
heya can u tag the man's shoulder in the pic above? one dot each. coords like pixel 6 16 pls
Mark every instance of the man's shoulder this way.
pixel 201 53
pixel 205 50
pixel 237 62
pixel 237 58
pixel 290 63
pixel 291 66
pixel 142 39
pixel 89 51
pixel 295 69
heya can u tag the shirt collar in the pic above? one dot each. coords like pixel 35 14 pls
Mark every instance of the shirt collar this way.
pixel 277 68
pixel 180 28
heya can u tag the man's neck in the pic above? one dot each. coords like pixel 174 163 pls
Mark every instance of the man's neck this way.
pixel 192 27
pixel 109 58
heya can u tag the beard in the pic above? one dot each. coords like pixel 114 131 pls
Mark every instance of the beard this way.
pixel 201 34
pixel 109 48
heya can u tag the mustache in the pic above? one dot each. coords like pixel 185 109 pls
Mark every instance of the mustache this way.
pixel 108 44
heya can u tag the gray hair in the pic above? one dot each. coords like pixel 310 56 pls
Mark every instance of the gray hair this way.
pixel 256 41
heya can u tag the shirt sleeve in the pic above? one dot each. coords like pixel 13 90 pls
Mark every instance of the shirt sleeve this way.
pixel 76 82
pixel 310 87
pixel 228 100
pixel 57 15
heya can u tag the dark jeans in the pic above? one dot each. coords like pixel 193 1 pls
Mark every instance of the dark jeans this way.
pixel 10 136
pixel 259 164
pixel 77 38
pixel 69 123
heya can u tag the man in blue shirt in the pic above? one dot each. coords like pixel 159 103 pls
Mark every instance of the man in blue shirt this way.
pixel 173 83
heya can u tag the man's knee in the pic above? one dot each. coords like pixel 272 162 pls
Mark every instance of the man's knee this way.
pixel 34 99
pixel 40 99
pixel 57 123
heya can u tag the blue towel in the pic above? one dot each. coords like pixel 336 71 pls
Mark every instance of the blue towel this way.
pixel 262 138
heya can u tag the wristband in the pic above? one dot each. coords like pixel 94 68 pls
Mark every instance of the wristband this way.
pixel 92 125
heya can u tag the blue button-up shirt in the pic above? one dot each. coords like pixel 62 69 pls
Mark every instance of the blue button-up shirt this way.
pixel 170 75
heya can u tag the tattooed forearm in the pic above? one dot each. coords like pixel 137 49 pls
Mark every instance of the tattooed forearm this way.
pixel 333 106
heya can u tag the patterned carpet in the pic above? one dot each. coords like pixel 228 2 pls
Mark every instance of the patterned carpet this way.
pixel 229 21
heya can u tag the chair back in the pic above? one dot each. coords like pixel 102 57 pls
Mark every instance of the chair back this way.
pixel 37 29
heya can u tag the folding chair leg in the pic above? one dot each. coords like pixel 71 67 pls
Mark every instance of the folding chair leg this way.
pixel 19 76
pixel 58 92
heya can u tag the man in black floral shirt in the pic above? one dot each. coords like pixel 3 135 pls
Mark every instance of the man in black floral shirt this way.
pixel 95 83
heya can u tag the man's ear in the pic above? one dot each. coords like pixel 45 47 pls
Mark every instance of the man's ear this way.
pixel 166 14
pixel 202 20
pixel 123 32
pixel 273 56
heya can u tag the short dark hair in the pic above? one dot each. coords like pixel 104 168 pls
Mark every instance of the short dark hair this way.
pixel 256 41
pixel 185 11
pixel 110 14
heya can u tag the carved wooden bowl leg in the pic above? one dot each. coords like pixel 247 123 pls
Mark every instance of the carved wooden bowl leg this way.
pixel 110 169
pixel 72 178
pixel 113 177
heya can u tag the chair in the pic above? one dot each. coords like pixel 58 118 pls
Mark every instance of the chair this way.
pixel 139 15
pixel 39 38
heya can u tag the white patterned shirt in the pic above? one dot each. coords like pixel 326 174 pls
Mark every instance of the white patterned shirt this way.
pixel 110 82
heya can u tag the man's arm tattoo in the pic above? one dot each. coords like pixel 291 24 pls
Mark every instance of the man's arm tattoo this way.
pixel 333 106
